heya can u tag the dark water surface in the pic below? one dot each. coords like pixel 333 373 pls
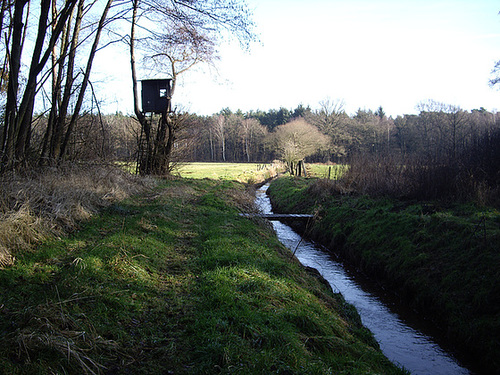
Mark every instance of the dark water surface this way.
pixel 401 340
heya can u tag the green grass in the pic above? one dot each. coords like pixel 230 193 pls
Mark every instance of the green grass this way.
pixel 324 170
pixel 242 172
pixel 248 173
pixel 175 281
pixel 441 259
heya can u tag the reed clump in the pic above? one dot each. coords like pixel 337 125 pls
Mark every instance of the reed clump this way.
pixel 51 201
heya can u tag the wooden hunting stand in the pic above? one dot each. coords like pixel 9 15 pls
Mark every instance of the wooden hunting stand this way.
pixel 156 96
pixel 157 135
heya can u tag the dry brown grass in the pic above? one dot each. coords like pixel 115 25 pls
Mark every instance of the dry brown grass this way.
pixel 375 175
pixel 51 328
pixel 51 201
pixel 243 198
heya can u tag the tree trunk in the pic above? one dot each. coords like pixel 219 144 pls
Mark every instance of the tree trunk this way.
pixel 37 64
pixel 18 121
pixel 154 151
pixel 170 142
pixel 28 102
pixel 212 151
pixel 57 119
pixel 85 81
pixel 57 70
pixel 13 85
pixel 144 144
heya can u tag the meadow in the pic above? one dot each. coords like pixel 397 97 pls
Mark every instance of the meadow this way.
pixel 242 172
pixel 248 172
pixel 326 171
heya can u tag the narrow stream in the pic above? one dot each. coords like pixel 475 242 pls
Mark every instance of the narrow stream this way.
pixel 403 344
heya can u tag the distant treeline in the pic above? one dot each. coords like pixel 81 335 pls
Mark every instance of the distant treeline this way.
pixel 438 132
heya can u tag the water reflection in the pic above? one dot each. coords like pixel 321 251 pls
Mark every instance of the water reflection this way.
pixel 401 343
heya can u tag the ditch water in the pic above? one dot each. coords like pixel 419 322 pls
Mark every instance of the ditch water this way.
pixel 399 332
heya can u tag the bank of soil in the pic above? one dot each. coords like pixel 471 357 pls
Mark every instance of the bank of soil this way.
pixel 442 260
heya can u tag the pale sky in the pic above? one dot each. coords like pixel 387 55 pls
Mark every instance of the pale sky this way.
pixel 369 53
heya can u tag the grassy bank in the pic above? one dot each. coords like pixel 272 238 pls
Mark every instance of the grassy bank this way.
pixel 442 260
pixel 174 281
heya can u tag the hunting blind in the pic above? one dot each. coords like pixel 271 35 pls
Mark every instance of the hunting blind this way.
pixel 155 95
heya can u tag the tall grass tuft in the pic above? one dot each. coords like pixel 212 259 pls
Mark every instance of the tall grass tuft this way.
pixel 36 204
pixel 19 230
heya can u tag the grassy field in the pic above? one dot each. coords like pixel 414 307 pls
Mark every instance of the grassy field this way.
pixel 251 172
pixel 442 260
pixel 242 172
pixel 319 170
pixel 175 281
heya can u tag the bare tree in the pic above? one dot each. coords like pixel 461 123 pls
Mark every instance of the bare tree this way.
pixel 52 73
pixel 330 115
pixel 332 120
pixel 443 128
pixel 188 35
pixel 19 111
pixel 251 133
pixel 299 139
pixel 180 50
pixel 220 134
pixel 59 129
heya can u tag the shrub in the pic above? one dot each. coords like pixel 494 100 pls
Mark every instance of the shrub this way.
pixel 473 176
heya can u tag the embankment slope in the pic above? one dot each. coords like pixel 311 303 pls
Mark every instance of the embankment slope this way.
pixel 443 261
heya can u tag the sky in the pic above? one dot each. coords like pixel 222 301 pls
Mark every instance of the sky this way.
pixel 366 53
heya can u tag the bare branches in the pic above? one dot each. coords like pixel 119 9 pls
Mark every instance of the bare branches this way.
pixel 495 72
pixel 299 139
pixel 176 36
pixel 189 32
pixel 169 36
